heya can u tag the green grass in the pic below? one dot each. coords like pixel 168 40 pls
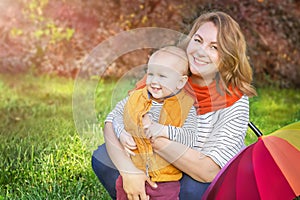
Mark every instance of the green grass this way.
pixel 272 109
pixel 44 157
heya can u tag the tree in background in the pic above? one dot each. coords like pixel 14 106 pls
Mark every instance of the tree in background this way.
pixel 56 36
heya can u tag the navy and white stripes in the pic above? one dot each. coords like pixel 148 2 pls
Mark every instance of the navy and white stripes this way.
pixel 221 133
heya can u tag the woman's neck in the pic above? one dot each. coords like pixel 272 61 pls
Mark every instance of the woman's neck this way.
pixel 201 81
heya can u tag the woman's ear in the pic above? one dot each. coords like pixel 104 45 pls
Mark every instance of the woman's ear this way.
pixel 181 83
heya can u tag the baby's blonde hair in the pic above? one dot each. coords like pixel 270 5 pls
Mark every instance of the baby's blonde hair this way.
pixel 178 53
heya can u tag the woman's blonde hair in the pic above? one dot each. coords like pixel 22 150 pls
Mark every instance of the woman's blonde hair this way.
pixel 234 67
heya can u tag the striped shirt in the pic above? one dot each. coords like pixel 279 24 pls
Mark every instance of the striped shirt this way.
pixel 220 134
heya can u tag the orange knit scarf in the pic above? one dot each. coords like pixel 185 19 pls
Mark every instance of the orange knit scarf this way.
pixel 208 98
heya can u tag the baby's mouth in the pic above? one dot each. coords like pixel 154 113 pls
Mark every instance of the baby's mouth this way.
pixel 155 89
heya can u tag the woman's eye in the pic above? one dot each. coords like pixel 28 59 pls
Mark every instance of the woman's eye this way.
pixel 197 40
pixel 214 47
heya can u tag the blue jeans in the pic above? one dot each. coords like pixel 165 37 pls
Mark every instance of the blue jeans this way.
pixel 107 173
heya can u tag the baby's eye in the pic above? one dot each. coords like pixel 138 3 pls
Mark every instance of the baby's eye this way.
pixel 162 76
pixel 149 74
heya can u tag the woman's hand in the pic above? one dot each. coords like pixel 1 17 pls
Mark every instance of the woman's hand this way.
pixel 128 143
pixel 134 185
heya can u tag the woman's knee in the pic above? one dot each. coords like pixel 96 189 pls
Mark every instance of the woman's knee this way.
pixel 103 166
pixel 105 170
pixel 101 159
pixel 191 189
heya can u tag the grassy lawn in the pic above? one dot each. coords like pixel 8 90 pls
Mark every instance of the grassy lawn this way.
pixel 43 156
pixel 272 109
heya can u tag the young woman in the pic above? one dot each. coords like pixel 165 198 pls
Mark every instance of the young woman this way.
pixel 220 79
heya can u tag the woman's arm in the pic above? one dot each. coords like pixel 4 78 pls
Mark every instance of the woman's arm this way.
pixel 116 151
pixel 195 164
pixel 225 140
pixel 133 178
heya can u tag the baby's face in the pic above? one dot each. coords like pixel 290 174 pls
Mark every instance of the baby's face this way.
pixel 163 77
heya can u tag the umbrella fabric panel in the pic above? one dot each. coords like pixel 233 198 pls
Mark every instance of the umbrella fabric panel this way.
pixel 270 180
pixel 219 189
pixel 246 186
pixel 251 175
pixel 292 136
pixel 287 157
pixel 293 126
pixel 267 169
pixel 236 175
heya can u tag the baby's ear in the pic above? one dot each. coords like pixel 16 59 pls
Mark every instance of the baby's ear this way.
pixel 181 83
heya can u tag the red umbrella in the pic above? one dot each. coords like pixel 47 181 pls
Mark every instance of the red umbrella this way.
pixel 267 169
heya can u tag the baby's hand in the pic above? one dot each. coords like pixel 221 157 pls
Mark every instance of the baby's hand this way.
pixel 153 129
pixel 128 143
pixel 147 120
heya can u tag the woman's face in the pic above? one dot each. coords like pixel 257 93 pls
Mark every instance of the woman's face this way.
pixel 203 52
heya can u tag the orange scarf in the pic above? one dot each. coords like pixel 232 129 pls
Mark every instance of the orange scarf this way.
pixel 207 98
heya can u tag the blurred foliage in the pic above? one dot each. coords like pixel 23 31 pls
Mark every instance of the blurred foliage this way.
pixel 272 31
pixel 57 36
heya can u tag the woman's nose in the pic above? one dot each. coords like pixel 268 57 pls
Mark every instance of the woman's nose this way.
pixel 202 51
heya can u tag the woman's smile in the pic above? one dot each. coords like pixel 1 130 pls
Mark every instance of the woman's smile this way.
pixel 200 62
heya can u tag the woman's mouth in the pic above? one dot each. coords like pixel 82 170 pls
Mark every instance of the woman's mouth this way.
pixel 198 61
